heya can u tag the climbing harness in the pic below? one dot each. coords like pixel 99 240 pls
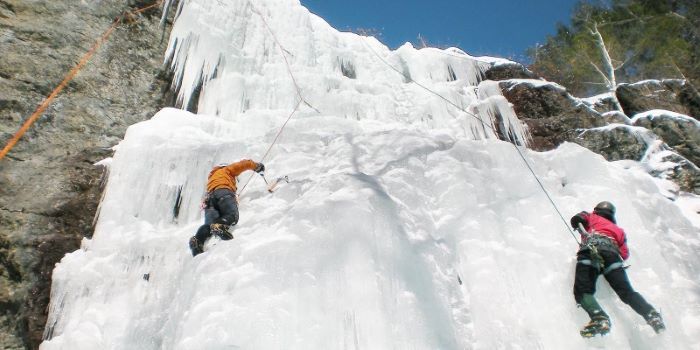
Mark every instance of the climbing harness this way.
pixel 595 242
pixel 602 241
pixel 205 201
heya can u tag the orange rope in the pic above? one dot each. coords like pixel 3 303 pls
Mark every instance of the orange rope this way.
pixel 67 79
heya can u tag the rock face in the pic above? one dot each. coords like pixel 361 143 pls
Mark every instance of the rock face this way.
pixel 49 187
pixel 554 116
pixel 671 95
pixel 615 144
pixel 508 71
pixel 681 134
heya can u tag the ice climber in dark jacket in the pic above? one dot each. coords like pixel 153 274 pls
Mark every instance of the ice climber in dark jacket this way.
pixel 603 250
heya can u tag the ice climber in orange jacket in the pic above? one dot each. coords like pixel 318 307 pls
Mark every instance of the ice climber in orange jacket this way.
pixel 220 206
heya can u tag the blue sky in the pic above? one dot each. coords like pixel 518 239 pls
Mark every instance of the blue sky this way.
pixel 503 28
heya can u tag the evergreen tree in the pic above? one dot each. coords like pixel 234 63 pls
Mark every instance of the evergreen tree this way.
pixel 616 41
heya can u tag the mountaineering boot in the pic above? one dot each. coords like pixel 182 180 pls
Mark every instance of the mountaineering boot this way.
pixel 655 321
pixel 591 306
pixel 599 324
pixel 196 246
pixel 221 231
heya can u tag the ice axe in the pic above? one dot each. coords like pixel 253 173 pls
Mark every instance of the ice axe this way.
pixel 272 186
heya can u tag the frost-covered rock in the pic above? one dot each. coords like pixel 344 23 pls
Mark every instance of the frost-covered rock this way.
pixel 616 117
pixel 551 114
pixel 616 141
pixel 506 71
pixel 678 131
pixel 642 142
pixel 603 103
pixel 670 94
pixel 681 171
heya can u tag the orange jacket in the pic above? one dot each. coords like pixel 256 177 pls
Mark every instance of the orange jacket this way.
pixel 225 176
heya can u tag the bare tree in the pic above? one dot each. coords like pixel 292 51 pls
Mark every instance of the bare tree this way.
pixel 608 68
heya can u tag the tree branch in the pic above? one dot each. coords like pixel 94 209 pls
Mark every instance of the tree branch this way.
pixel 607 64
pixel 600 71
pixel 625 62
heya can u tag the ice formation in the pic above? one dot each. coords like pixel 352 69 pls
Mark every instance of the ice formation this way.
pixel 409 223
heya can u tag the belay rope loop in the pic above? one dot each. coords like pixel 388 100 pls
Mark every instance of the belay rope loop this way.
pixel 130 15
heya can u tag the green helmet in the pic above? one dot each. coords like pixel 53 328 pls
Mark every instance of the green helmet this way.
pixel 605 207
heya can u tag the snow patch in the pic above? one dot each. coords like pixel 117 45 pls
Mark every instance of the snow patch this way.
pixel 597 99
pixel 535 83
pixel 660 113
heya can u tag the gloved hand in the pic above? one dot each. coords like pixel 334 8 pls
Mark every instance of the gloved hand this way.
pixel 579 219
pixel 260 168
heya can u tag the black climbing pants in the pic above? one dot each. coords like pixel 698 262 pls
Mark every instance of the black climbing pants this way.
pixel 221 208
pixel 587 274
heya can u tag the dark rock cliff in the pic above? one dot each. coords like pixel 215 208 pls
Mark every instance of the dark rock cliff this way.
pixel 553 116
pixel 670 94
pixel 49 187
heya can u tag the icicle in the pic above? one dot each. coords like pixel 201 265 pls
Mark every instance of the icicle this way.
pixel 493 106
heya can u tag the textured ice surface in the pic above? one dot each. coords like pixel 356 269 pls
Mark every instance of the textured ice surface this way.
pixel 407 224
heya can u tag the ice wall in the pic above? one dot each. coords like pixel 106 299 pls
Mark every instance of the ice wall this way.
pixel 407 224
pixel 238 56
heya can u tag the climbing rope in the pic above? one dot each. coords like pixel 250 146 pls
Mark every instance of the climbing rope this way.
pixel 296 86
pixel 522 156
pixel 547 194
pixel 289 69
pixel 302 99
pixel 127 15
pixel 240 193
pixel 428 89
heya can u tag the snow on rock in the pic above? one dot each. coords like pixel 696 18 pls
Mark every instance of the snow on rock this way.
pixel 616 116
pixel 593 100
pixel 642 134
pixel 534 83
pixel 647 81
pixel 660 113
pixel 406 225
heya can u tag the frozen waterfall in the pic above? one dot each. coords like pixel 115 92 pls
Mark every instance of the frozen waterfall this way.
pixel 410 221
